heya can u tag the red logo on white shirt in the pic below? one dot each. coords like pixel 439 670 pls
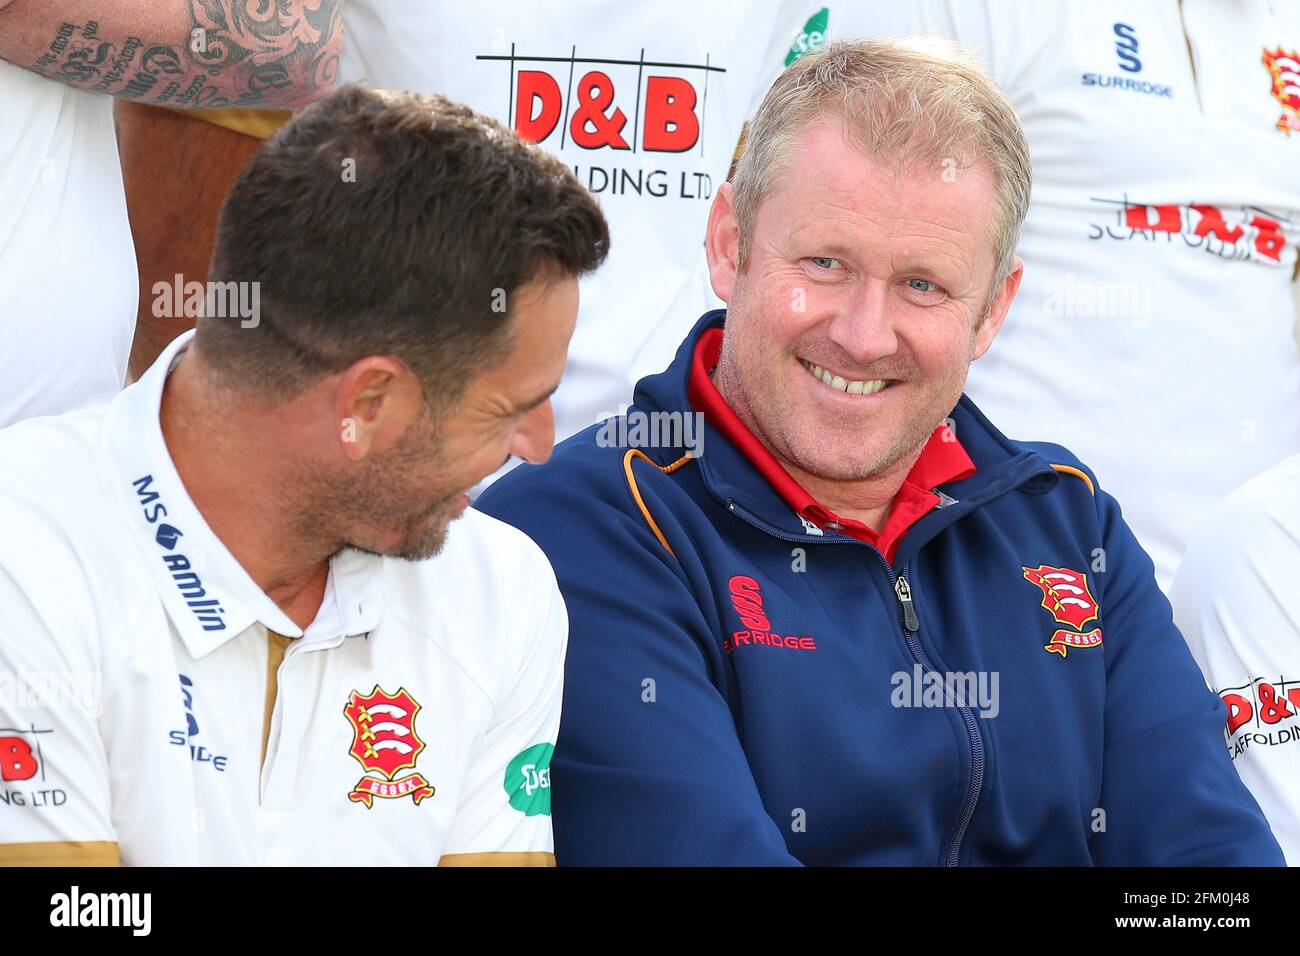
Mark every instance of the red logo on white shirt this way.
pixel 590 100
pixel 1229 233
pixel 17 762
pixel 1284 70
pixel 669 122
pixel 384 741
pixel 1261 713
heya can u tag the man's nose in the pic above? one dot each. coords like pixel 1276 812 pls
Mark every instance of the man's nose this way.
pixel 535 435
pixel 865 329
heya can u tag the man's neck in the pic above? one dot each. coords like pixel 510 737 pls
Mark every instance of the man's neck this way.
pixel 228 472
pixel 868 500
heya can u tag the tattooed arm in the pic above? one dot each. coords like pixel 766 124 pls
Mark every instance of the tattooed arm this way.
pixel 185 53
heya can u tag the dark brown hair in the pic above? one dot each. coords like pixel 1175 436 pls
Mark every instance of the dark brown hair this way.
pixel 417 256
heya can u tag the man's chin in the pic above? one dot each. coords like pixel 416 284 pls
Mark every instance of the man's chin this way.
pixel 833 460
pixel 423 549
pixel 427 542
pixel 421 542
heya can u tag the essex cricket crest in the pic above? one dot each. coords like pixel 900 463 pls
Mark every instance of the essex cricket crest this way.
pixel 1284 72
pixel 1067 597
pixel 385 743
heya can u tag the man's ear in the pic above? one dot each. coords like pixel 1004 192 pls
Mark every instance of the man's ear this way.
pixel 375 399
pixel 722 242
pixel 1002 299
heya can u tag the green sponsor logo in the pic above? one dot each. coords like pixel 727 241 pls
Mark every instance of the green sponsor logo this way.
pixel 528 780
pixel 812 37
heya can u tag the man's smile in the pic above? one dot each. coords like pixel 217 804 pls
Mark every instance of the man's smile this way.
pixel 841 384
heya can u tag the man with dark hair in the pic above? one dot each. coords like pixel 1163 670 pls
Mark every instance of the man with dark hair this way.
pixel 263 517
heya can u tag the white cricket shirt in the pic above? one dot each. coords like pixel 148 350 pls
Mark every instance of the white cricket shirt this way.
pixel 68 284
pixel 1235 601
pixel 156 705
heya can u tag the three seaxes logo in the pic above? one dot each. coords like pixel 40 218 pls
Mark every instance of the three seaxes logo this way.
pixel 1284 70
pixel 384 741
pixel 1067 598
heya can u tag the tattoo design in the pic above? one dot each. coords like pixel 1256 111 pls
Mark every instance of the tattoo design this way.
pixel 238 53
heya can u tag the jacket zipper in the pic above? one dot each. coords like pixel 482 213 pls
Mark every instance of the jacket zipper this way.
pixel 911 626
pixel 904 592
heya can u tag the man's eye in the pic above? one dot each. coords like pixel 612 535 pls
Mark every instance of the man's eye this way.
pixel 824 262
pixel 922 285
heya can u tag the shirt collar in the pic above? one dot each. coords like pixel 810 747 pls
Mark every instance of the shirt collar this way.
pixel 208 595
pixel 942 460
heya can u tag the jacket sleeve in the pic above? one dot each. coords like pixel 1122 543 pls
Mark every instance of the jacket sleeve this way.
pixel 648 768
pixel 1170 794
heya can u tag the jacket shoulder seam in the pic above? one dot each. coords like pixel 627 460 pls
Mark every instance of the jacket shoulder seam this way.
pixel 1078 473
pixel 628 459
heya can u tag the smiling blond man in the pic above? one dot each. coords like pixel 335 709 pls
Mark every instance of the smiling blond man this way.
pixel 860 625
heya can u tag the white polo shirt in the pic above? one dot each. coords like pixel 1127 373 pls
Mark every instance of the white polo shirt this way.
pixel 644 101
pixel 68 283
pixel 1153 332
pixel 1234 600
pixel 156 705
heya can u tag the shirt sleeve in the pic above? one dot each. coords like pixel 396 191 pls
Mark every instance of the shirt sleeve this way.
pixel 504 815
pixel 1232 601
pixel 1169 793
pixel 650 770
pixel 55 806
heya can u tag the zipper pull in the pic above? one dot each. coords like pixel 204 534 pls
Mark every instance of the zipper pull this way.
pixel 904 592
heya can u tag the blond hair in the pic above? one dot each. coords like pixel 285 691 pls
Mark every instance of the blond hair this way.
pixel 903 102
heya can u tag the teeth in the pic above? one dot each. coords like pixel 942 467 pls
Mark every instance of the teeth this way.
pixel 836 382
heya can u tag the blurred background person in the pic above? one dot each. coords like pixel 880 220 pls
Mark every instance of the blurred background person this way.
pixel 1233 602
pixel 67 269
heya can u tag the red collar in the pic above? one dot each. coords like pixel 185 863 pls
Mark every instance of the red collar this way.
pixel 941 461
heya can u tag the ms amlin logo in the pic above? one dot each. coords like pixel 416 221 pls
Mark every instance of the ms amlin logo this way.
pixel 206 609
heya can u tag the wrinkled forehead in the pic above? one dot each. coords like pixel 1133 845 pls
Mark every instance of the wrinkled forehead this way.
pixel 831 188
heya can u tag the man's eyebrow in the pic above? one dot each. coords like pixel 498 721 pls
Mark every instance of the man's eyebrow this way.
pixel 528 406
pixel 836 246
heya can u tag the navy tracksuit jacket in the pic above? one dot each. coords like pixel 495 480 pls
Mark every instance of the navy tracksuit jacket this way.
pixel 765 691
